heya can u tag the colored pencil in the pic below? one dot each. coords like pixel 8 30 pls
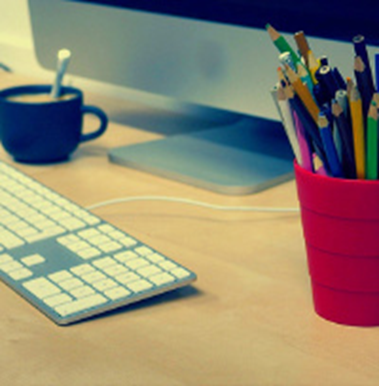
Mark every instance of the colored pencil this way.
pixel 313 66
pixel 341 98
pixel 318 165
pixel 302 46
pixel 281 75
pixel 329 146
pixel 372 143
pixel 305 150
pixel 305 76
pixel 377 71
pixel 360 48
pixel 355 104
pixel 364 83
pixel 339 78
pixel 327 81
pixel 308 123
pixel 281 43
pixel 288 123
pixel 286 59
pixel 303 92
pixel 344 129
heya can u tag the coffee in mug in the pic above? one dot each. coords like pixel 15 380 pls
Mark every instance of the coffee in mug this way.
pixel 38 98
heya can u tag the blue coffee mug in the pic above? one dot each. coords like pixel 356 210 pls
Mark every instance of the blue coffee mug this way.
pixel 36 129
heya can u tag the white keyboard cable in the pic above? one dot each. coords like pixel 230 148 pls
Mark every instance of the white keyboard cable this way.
pixel 192 202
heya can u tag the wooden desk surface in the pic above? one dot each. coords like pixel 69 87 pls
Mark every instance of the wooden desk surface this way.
pixel 248 320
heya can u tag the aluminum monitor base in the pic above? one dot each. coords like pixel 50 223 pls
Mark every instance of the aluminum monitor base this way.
pixel 241 158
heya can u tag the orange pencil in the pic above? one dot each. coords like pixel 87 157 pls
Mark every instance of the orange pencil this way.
pixel 303 92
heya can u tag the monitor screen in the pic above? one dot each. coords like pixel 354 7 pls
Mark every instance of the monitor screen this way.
pixel 326 18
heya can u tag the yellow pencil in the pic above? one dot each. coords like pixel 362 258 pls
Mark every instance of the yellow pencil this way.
pixel 313 66
pixel 355 103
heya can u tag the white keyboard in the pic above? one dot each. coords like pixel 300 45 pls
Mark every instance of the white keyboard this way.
pixel 69 263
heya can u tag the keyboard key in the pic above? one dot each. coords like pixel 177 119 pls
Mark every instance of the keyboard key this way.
pixel 83 291
pixel 25 232
pixel 33 259
pixel 125 256
pixel 127 241
pixel 82 269
pixel 139 286
pixel 80 304
pixel 168 265
pixel 10 266
pixel 8 239
pixel 72 223
pixel 75 247
pixel 90 220
pixel 89 253
pixel 149 271
pixel 71 284
pixel 56 300
pixel 5 258
pixel 117 293
pixel 112 246
pixel 180 273
pixel 104 262
pixel 69 239
pixel 59 215
pixel 106 228
pixel 21 273
pixel 60 276
pixel 115 270
pixel 45 224
pixel 127 277
pixel 143 251
pixel 41 287
pixel 136 263
pixel 92 277
pixel 103 285
pixel 155 258
pixel 88 233
pixel 162 278
pixel 99 240
pixel 116 235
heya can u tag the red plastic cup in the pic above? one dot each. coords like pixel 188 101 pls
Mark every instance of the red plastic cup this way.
pixel 340 221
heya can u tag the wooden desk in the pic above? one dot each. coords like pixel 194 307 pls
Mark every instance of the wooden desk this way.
pixel 248 320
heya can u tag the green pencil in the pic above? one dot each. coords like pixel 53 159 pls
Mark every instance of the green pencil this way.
pixel 281 43
pixel 372 143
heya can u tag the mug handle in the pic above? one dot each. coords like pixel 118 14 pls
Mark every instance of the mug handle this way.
pixel 103 122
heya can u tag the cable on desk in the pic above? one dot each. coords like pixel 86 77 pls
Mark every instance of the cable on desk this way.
pixel 192 202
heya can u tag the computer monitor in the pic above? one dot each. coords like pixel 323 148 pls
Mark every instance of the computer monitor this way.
pixel 212 58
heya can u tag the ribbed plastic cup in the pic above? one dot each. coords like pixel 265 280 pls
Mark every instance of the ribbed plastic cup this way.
pixel 340 220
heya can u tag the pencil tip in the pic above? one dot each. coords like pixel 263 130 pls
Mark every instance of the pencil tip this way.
pixel 322 120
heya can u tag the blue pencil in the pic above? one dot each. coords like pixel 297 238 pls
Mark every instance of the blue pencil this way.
pixel 377 71
pixel 329 146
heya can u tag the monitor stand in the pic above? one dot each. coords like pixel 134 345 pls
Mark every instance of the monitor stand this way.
pixel 244 156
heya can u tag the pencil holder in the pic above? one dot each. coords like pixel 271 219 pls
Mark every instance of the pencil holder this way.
pixel 340 220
